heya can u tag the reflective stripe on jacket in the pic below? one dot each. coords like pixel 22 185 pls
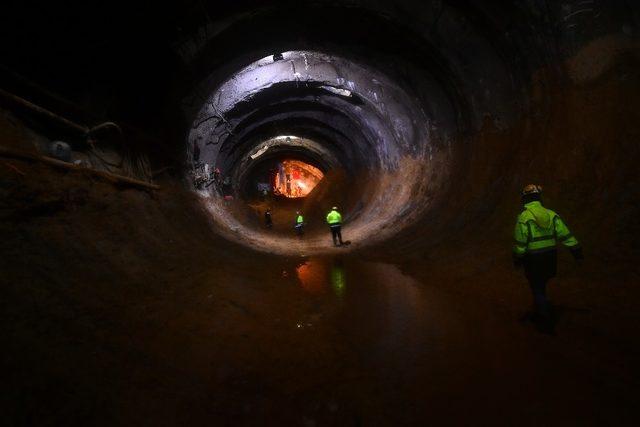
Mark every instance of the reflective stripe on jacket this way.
pixel 538 229
pixel 334 217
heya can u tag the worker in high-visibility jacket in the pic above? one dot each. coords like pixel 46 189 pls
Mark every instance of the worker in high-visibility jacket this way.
pixel 537 232
pixel 299 226
pixel 334 219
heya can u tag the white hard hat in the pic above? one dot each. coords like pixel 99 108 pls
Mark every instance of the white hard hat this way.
pixel 531 189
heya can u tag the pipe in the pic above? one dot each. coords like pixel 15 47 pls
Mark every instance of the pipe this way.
pixel 105 125
pixel 69 105
pixel 85 131
pixel 44 113
pixel 111 177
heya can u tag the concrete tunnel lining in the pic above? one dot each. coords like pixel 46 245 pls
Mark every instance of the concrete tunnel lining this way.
pixel 266 74
pixel 385 127
pixel 339 140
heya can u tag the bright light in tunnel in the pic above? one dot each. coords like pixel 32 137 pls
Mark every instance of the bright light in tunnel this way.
pixel 296 178
pixel 337 90
pixel 289 140
pixel 259 153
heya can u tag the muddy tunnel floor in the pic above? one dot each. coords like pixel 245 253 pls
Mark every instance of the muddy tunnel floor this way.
pixel 107 322
pixel 142 281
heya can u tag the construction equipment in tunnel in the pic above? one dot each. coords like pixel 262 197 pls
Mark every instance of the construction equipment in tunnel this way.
pixel 134 166
pixel 537 232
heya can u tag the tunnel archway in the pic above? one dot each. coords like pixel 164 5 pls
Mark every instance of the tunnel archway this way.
pixel 369 129
pixel 425 118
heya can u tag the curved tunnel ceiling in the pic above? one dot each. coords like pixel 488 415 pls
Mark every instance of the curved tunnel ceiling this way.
pixel 368 125
pixel 392 122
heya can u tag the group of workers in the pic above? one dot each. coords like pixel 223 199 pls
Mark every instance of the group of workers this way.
pixel 334 221
pixel 537 232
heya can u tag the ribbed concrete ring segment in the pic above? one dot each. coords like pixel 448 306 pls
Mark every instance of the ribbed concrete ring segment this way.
pixel 369 127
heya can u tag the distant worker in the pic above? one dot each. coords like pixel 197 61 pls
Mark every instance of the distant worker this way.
pixel 334 219
pixel 537 232
pixel 299 223
pixel 267 218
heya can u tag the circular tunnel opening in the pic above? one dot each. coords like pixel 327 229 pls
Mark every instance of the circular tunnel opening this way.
pixel 295 179
pixel 279 178
pixel 277 185
pixel 281 167
pixel 318 129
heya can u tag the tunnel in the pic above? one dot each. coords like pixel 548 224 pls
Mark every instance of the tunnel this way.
pixel 168 173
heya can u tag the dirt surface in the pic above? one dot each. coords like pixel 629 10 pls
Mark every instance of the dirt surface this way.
pixel 122 308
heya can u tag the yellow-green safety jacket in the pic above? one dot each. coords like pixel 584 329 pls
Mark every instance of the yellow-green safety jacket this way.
pixel 299 219
pixel 538 229
pixel 334 218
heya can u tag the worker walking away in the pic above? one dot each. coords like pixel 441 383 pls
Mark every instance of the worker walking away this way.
pixel 537 232
pixel 299 224
pixel 267 218
pixel 334 219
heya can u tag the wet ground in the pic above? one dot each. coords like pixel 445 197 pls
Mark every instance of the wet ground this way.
pixel 122 308
pixel 321 341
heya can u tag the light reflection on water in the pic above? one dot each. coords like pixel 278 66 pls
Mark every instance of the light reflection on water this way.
pixel 312 276
pixel 338 281
pixel 381 309
pixel 320 276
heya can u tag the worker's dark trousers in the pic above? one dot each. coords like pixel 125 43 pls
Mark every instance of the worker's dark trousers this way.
pixel 539 268
pixel 336 233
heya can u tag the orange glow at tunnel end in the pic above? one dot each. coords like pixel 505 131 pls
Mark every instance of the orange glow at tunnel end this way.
pixel 296 178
